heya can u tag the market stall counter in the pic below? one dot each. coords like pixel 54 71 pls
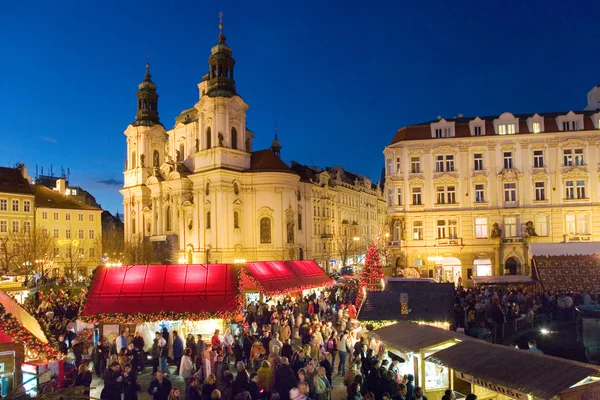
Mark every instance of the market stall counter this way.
pixel 501 372
pixel 196 299
pixel 414 343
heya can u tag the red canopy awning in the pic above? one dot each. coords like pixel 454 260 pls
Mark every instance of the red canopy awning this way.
pixel 279 277
pixel 163 292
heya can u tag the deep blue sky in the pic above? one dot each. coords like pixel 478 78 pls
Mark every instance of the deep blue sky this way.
pixel 339 77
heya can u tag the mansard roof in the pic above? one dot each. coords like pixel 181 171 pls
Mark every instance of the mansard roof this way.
pixel 422 131
pixel 12 181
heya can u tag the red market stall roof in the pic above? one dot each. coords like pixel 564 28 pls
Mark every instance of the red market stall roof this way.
pixel 25 319
pixel 163 292
pixel 279 277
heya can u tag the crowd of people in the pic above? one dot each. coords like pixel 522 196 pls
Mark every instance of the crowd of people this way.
pixel 481 311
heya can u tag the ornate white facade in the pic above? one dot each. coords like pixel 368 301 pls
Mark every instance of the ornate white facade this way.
pixel 200 186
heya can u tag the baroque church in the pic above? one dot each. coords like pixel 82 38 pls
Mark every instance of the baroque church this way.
pixel 201 188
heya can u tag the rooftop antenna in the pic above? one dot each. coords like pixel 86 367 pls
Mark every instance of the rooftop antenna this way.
pixel 51 170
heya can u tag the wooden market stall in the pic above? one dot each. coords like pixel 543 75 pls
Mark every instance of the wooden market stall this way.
pixel 414 343
pixel 21 340
pixel 276 278
pixel 501 372
pixel 194 299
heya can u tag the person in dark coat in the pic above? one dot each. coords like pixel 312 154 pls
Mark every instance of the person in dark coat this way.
pixel 253 386
pixel 285 379
pixel 101 353
pixel 200 347
pixel 112 383
pixel 177 350
pixel 84 379
pixel 130 385
pixel 193 390
pixel 138 344
pixel 242 379
pixel 190 343
pixel 160 388
pixel 410 387
pixel 324 362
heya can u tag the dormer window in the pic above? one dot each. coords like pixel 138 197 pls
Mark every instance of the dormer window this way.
pixel 477 130
pixel 506 124
pixel 536 127
pixel 570 126
pixel 443 132
pixel 506 129
pixel 569 122
pixel 535 123
pixel 477 127
pixel 442 129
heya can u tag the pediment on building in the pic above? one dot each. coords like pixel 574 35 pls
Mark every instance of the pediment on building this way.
pixel 445 179
pixel 444 150
pixel 479 178
pixel 237 202
pixel 416 181
pixel 509 175
pixel 573 143
pixel 575 173
pixel 539 176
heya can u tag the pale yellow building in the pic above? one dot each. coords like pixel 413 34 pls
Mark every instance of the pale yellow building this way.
pixel 75 227
pixel 467 196
pixel 16 201
pixel 200 188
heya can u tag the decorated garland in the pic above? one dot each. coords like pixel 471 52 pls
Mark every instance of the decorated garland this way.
pixel 161 316
pixel 295 289
pixel 13 328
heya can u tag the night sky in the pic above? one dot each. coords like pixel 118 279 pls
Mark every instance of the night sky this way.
pixel 338 77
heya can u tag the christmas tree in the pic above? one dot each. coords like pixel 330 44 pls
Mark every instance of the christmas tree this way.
pixel 372 274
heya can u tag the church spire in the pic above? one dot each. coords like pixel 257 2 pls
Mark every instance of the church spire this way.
pixel 220 67
pixel 147 110
pixel 276 145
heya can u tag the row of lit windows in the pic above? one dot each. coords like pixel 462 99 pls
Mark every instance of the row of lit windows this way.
pixel 573 189
pixel 56 216
pixel 15 226
pixel 15 205
pixel 80 234
pixel 68 252
pixel 575 224
pixel 446 162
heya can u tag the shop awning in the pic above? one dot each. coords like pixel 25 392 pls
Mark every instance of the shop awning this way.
pixel 163 292
pixel 26 320
pixel 503 279
pixel 408 337
pixel 522 371
pixel 278 277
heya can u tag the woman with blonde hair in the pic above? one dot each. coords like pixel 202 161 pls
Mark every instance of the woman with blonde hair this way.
pixel 84 379
pixel 210 384
pixel 265 379
pixel 322 385
pixel 175 394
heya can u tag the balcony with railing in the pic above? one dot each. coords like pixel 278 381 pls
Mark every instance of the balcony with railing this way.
pixel 513 240
pixel 326 235
pixel 448 241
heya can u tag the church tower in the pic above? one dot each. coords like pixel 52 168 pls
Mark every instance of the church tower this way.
pixel 223 141
pixel 146 139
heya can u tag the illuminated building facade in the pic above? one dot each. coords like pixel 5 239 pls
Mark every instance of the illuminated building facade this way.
pixel 466 196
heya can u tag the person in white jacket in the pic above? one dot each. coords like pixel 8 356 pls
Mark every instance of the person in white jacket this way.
pixel 186 367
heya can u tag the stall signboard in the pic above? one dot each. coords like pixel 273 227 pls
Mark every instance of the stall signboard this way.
pixel 515 394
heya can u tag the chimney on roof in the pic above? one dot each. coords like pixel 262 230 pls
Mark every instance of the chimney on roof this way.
pixel 593 98
pixel 460 115
pixel 23 169
pixel 439 117
pixel 61 186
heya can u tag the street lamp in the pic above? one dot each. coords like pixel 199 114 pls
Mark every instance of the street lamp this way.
pixel 356 238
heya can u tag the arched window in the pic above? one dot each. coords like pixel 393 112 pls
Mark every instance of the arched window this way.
pixel 236 220
pixel 155 159
pixel 265 230
pixel 208 137
pixel 299 221
pixel 133 226
pixel 168 223
pixel 181 152
pixel 207 222
pixel 190 256
pixel 234 138
pixel 300 254
pixel 133 160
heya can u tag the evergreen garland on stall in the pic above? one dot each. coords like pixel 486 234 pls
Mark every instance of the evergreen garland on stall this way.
pixel 36 348
pixel 372 275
